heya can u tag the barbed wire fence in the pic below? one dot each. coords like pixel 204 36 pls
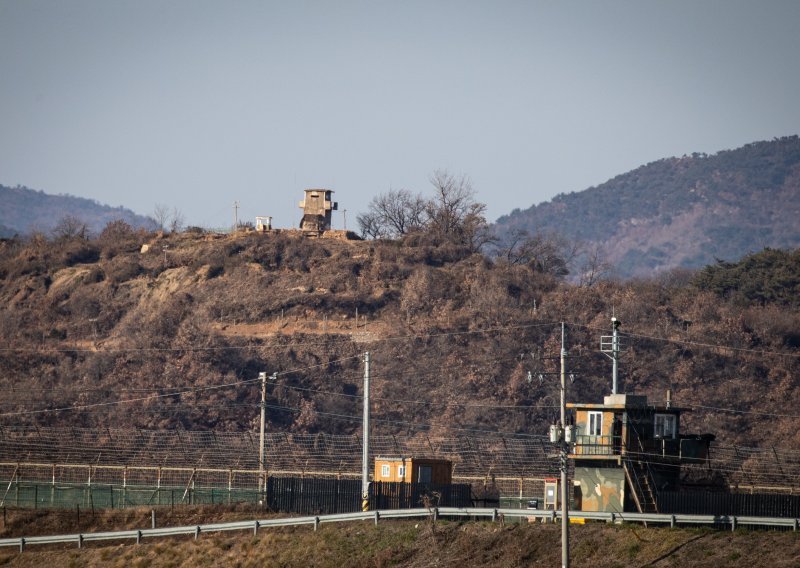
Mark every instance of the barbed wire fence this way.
pixel 180 462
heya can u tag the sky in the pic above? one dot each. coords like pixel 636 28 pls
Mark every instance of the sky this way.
pixel 195 104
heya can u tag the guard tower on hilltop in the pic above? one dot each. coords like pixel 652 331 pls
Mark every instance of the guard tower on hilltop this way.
pixel 317 210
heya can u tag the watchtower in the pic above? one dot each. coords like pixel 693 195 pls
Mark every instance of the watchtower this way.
pixel 626 449
pixel 317 209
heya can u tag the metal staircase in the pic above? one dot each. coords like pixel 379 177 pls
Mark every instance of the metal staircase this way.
pixel 642 486
pixel 640 479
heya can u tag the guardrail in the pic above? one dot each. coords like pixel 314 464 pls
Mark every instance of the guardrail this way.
pixel 434 513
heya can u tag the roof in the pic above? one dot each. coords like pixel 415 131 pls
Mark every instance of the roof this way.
pixel 406 458
pixel 626 402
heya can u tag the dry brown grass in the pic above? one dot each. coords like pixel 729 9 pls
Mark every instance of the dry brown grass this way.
pixel 414 544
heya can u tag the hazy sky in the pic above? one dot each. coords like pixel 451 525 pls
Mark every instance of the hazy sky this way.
pixel 194 104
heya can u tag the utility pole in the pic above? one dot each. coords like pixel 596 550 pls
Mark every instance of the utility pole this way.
pixel 262 479
pixel 365 448
pixel 566 438
pixel 563 435
pixel 235 215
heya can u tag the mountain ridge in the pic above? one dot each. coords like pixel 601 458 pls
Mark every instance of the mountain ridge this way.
pixel 682 212
pixel 28 210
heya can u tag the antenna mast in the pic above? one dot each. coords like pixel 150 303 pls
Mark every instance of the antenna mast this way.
pixel 609 344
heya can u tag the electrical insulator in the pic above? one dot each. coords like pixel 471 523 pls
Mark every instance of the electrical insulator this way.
pixel 569 434
pixel 555 433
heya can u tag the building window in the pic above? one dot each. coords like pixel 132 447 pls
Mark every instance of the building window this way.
pixel 664 426
pixel 401 471
pixel 595 423
pixel 385 470
pixel 425 474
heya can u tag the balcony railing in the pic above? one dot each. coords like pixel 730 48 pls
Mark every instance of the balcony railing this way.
pixel 586 445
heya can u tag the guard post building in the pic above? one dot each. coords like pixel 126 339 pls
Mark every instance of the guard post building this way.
pixel 627 450
pixel 413 470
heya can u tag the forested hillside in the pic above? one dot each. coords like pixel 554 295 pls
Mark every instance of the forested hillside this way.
pixel 181 329
pixel 681 212
pixel 26 210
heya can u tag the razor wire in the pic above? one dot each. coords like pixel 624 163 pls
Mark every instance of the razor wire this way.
pixel 474 456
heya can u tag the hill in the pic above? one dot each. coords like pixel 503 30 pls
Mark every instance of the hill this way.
pixel 181 328
pixel 26 210
pixel 681 212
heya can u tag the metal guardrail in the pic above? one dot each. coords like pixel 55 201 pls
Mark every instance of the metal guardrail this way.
pixel 494 514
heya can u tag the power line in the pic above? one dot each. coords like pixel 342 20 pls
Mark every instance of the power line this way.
pixel 739 411
pixel 421 402
pixel 415 425
pixel 158 396
pixel 687 342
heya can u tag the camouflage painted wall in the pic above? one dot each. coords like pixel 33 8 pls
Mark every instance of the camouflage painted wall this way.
pixel 599 489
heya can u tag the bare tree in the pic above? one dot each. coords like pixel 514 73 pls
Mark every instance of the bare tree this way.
pixel 161 216
pixel 370 225
pixel 167 218
pixel 70 227
pixel 511 249
pixel 452 202
pixel 401 211
pixel 545 253
pixel 393 214
pixel 453 213
pixel 176 220
pixel 595 267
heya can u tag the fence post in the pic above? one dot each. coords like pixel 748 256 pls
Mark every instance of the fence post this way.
pixel 255 528
pixel 153 518
pixel 377 516
pixel 733 523
pixel 316 523
pixel 196 532
pixel 21 544
pixel 138 537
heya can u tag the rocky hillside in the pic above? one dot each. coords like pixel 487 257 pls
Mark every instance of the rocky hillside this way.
pixel 681 212
pixel 26 210
pixel 181 327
